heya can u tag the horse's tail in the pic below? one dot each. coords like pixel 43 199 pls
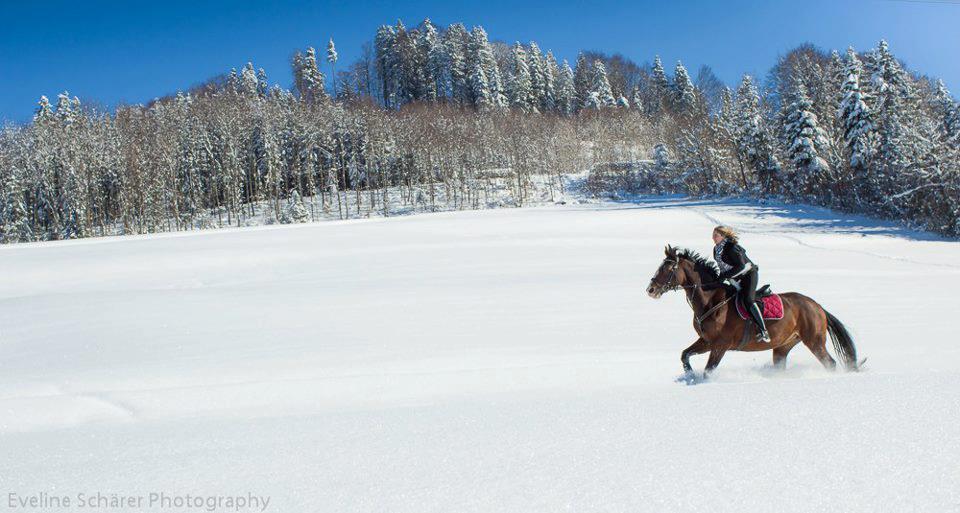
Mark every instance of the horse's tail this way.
pixel 842 342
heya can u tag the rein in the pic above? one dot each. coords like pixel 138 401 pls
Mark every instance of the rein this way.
pixel 711 311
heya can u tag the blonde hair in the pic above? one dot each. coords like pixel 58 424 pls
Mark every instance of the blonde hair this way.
pixel 727 232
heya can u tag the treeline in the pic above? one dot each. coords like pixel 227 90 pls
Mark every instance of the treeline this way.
pixel 444 115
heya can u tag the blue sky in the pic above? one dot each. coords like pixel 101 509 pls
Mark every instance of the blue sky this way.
pixel 113 52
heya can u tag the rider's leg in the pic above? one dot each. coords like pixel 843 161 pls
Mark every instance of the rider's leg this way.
pixel 748 296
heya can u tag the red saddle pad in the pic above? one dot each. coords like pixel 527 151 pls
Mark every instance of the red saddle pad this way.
pixel 772 308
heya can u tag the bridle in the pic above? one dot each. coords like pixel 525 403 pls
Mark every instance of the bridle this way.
pixel 672 285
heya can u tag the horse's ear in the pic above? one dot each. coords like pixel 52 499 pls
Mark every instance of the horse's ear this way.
pixel 666 250
pixel 670 251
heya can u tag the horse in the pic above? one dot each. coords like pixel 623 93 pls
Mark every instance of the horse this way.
pixel 720 328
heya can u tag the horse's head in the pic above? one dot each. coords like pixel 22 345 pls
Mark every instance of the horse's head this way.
pixel 667 277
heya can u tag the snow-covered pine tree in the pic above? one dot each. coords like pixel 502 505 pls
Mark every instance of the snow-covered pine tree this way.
pixel 684 93
pixel 551 72
pixel 582 80
pixel 600 95
pixel 636 99
pixel 332 60
pixel 412 65
pixel 726 114
pixel 309 81
pixel 233 82
pixel 44 111
pixel 436 58
pixel 659 87
pixel 296 211
pixel 947 111
pixel 856 119
pixel 538 86
pixel 263 86
pixel 661 158
pixel 69 186
pixel 65 113
pixel 482 52
pixel 249 84
pixel 520 92
pixel 804 139
pixel 482 97
pixel 387 64
pixel 424 45
pixel 754 143
pixel 456 44
pixel 566 91
pixel 15 225
pixel 892 101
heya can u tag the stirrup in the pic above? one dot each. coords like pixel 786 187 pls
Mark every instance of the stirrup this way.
pixel 764 336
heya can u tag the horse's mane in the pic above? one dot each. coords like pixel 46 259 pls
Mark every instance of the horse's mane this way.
pixel 707 270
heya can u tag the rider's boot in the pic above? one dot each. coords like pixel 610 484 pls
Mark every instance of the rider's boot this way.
pixel 763 336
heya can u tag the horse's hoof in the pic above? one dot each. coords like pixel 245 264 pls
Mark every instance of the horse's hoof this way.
pixel 691 378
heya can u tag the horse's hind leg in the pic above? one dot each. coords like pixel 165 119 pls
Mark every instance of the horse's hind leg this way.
pixel 818 346
pixel 780 354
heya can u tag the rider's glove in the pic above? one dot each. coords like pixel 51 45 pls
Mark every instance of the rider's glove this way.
pixel 734 284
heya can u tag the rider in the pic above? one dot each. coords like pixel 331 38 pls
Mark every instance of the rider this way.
pixel 736 268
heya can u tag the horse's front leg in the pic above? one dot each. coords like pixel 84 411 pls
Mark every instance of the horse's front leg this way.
pixel 716 354
pixel 699 347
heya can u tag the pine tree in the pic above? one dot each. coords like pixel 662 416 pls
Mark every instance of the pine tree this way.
pixel 249 84
pixel 456 44
pixel 636 101
pixel 538 86
pixel 684 93
pixel 582 81
pixel 659 86
pixel 332 59
pixel 803 136
pixel 69 186
pixel 308 79
pixel 551 72
pixel 263 86
pixel 482 97
pixel 387 63
pixel 661 158
pixel 855 116
pixel 520 93
pixel 296 211
pixel 755 146
pixel 65 111
pixel 566 91
pixel 482 53
pixel 600 95
pixel 947 112
pixel 893 95
pixel 436 58
pixel 44 112
pixel 15 224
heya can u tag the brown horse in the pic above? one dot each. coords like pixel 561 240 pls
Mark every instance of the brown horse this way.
pixel 721 329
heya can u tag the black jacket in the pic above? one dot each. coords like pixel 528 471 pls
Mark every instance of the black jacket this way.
pixel 735 258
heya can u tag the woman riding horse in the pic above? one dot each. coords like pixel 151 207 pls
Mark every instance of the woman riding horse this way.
pixel 741 272
pixel 720 328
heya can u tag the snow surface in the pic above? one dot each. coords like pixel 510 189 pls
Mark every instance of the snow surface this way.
pixel 492 361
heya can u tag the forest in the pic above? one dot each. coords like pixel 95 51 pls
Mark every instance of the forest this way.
pixel 435 117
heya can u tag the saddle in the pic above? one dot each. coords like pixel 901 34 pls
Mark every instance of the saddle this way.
pixel 770 305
